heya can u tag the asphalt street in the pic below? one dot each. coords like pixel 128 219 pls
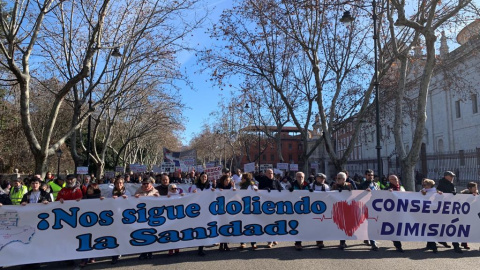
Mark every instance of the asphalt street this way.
pixel 284 256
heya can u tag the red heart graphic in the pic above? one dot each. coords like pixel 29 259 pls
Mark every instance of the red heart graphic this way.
pixel 349 217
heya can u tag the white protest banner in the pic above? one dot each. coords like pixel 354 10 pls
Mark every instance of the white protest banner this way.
pixel 264 167
pixel 133 167
pixel 214 173
pixel 110 174
pixel 294 167
pixel 141 168
pixel 210 165
pixel 119 169
pixel 199 168
pixel 100 228
pixel 314 165
pixel 82 170
pixel 277 171
pixel 157 169
pixel 282 166
pixel 168 167
pixel 249 167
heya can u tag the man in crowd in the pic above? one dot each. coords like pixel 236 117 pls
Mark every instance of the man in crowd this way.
pixel 237 178
pixel 268 182
pixel 71 191
pixel 369 185
pixel 163 187
pixel 446 185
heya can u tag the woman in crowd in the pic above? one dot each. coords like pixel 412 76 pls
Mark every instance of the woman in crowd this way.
pixel 202 184
pixel 225 182
pixel 246 182
pixel 340 185
pixel 471 189
pixel 119 190
pixel 173 191
pixel 146 189
pixel 93 192
pixel 319 185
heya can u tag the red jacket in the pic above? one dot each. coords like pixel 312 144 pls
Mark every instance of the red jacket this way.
pixel 68 194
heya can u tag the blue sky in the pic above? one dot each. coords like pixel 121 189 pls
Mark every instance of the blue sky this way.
pixel 204 98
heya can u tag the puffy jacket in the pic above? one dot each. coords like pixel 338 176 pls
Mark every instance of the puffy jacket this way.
pixel 44 196
pixel 68 194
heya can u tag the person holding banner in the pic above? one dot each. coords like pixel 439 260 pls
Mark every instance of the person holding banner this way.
pixel 201 184
pixel 93 192
pixel 268 182
pixel 319 185
pixel 71 191
pixel 340 185
pixel 146 189
pixel 299 184
pixel 119 190
pixel 247 183
pixel 225 182
pixel 471 189
pixel 429 188
pixel 369 185
pixel 394 185
pixel 36 195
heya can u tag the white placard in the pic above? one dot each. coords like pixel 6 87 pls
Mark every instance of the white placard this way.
pixel 249 167
pixel 293 167
pixel 82 170
pixel 282 166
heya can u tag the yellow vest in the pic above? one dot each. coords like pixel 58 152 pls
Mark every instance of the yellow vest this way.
pixel 55 188
pixel 17 197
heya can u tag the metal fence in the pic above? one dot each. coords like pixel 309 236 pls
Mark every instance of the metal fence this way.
pixel 465 164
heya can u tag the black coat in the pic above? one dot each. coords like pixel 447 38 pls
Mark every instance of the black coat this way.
pixel 265 183
pixel 445 186
pixel 44 196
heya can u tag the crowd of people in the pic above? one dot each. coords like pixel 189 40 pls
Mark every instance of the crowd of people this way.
pixel 37 190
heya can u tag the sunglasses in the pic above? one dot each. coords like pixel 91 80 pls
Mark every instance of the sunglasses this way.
pixel 174 188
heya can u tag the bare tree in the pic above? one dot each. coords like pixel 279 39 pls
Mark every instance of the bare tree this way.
pixel 430 15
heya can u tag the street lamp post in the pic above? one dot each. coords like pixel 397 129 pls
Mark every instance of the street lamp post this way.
pixel 348 19
pixel 59 155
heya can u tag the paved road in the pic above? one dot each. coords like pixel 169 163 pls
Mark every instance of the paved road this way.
pixel 284 256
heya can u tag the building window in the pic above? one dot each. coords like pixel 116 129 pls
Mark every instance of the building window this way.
pixel 457 109
pixel 264 157
pixel 474 103
pixel 289 146
pixel 290 157
pixel 272 157
pixel 440 146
